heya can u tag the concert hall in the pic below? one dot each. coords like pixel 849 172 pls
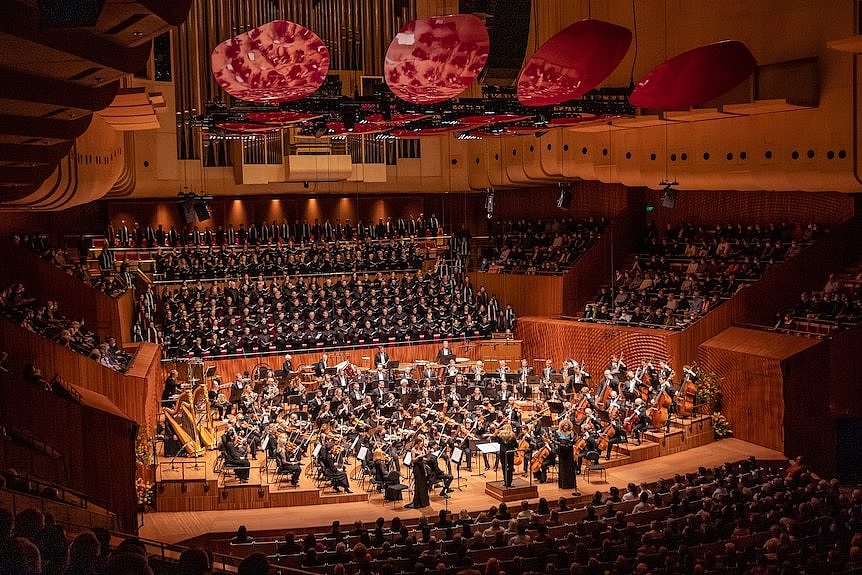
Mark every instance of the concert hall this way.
pixel 455 287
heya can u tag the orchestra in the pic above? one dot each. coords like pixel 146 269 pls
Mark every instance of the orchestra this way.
pixel 416 414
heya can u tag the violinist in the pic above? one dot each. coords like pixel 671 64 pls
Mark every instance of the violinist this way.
pixel 234 455
pixel 288 457
pixel 333 472
pixel 384 471
pixel 511 412
pixel 425 401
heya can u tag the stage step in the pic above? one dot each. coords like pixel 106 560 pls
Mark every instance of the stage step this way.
pixel 646 450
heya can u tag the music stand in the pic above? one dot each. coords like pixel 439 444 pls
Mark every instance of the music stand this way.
pixel 487 448
pixel 455 457
pixel 331 371
pixel 392 364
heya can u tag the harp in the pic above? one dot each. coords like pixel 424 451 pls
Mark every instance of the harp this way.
pixel 203 417
pixel 183 425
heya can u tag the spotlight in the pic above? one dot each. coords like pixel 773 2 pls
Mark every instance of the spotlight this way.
pixel 668 196
pixel 489 202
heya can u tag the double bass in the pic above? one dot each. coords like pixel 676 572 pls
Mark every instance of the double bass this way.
pixel 657 412
pixel 687 392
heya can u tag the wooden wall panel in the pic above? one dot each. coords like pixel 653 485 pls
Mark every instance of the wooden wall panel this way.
pixel 96 447
pixel 528 294
pixel 103 314
pixel 588 343
pixel 136 393
pixel 752 394
pixel 713 207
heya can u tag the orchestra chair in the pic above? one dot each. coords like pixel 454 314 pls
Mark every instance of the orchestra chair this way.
pixel 593 465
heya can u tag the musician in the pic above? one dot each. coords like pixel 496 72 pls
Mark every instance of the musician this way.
pixel 425 401
pixel 445 354
pixel 617 366
pixel 403 388
pixel 438 475
pixel 315 403
pixel 452 369
pixel 320 366
pixel 542 447
pixel 333 472
pixel 288 457
pixel 233 455
pixel 565 438
pixel 356 394
pixel 344 410
pixel 475 398
pixel 172 388
pixel 641 419
pixel 616 437
pixel 453 398
pixel 342 379
pixel 381 376
pixel 511 412
pixel 217 399
pixel 325 414
pixel 591 443
pixel 428 372
pixel 381 358
pixel 237 389
pixel 384 471
pixel 478 371
pixel 508 445
pixel 524 373
pixel 247 399
pixel 548 371
pixel 418 452
pixel 502 370
pixel 505 393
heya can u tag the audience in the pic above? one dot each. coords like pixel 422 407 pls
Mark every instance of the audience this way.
pixel 262 316
pixel 540 246
pixel 44 319
pixel 838 304
pixel 255 234
pixel 109 282
pixel 686 271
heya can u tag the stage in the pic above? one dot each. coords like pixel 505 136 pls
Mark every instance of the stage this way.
pixel 180 526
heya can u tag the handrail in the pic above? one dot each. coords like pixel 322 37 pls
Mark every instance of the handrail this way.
pixel 340 274
pixel 81 501
pixel 308 349
pixel 298 245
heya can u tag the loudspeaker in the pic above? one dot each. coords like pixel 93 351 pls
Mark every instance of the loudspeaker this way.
pixel 69 13
pixel 565 199
pixel 508 24
pixel 202 210
pixel 668 198
pixel 186 211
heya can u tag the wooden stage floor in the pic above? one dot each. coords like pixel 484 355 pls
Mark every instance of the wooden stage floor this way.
pixel 175 527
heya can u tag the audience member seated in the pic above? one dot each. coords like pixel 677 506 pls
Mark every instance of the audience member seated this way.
pixel 192 262
pixel 686 271
pixel 44 319
pixel 110 282
pixel 837 305
pixel 540 246
pixel 737 518
pixel 253 234
pixel 261 316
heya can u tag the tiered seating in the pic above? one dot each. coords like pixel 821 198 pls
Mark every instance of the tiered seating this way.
pixel 45 319
pixel 251 317
pixel 837 306
pixel 316 258
pixel 108 282
pixel 738 518
pixel 682 273
pixel 540 246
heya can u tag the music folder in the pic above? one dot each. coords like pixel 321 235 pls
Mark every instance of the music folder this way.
pixel 456 455
pixel 488 447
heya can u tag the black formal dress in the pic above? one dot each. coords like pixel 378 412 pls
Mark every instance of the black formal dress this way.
pixel 566 477
pixel 507 456
pixel 420 481
pixel 235 458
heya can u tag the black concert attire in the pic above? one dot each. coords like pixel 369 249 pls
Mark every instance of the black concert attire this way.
pixel 290 464
pixel 438 474
pixel 444 355
pixel 507 456
pixel 233 457
pixel 566 477
pixel 172 388
pixel 617 437
pixel 421 471
pixel 385 473
pixel 592 444
pixel 336 476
